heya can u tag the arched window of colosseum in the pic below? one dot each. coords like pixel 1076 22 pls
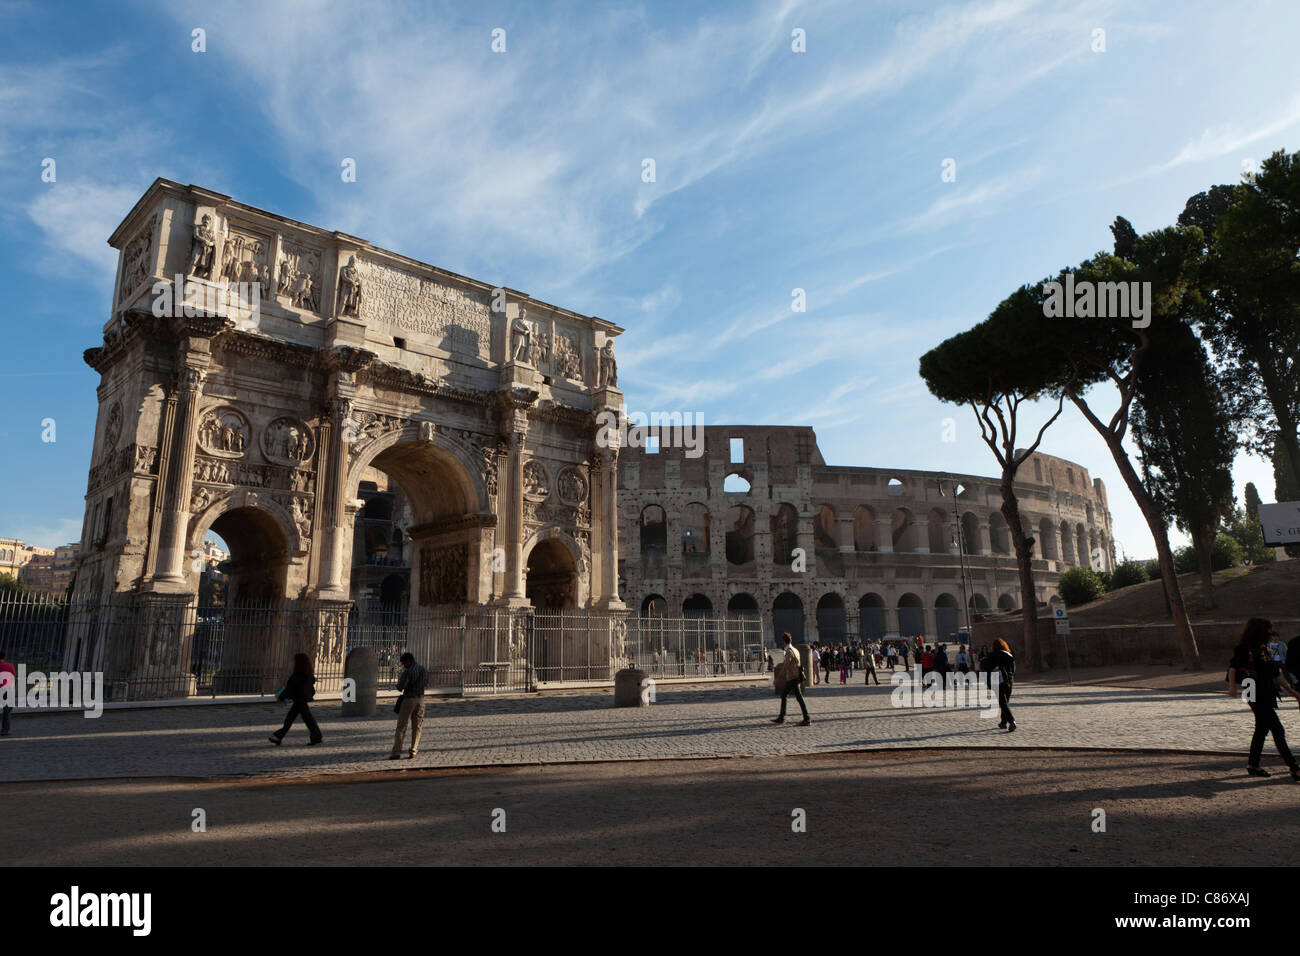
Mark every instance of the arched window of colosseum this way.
pixel 785 534
pixel 832 623
pixel 787 615
pixel 740 535
pixel 654 605
pixel 864 529
pixel 824 535
pixel 654 530
pixel 1067 544
pixel 940 536
pixel 735 484
pixel 911 616
pixel 979 603
pixel 871 615
pixel 697 605
pixel 742 605
pixel 1006 602
pixel 1047 540
pixel 695 529
pixel 999 533
pixel 895 487
pixel 946 613
pixel 970 533
pixel 903 528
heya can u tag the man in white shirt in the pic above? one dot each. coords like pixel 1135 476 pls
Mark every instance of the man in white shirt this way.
pixel 794 676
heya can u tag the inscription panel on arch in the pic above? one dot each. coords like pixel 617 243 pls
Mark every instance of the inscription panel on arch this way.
pixel 398 303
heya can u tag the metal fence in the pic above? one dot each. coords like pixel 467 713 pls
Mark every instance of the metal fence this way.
pixel 159 648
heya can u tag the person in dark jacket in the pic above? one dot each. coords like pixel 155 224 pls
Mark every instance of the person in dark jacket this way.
pixel 1003 663
pixel 299 688
pixel 1251 661
pixel 412 682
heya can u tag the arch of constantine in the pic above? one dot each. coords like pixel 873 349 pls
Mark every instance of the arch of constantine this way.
pixel 255 369
pixel 884 553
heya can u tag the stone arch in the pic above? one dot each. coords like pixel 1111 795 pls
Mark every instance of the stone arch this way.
pixel 653 525
pixel 697 605
pixel 742 605
pixel 825 534
pixel 740 534
pixel 999 533
pixel 1006 602
pixel 245 498
pixel 864 529
pixel 903 528
pixel 784 525
pixel 871 617
pixel 939 538
pixel 427 465
pixel 1048 543
pixel 787 615
pixel 695 528
pixel 832 622
pixel 658 601
pixel 970 533
pixel 911 616
pixel 946 616
pixel 553 564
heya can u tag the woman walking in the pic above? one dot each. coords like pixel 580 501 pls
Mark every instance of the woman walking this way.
pixel 1252 661
pixel 299 688
pixel 1003 662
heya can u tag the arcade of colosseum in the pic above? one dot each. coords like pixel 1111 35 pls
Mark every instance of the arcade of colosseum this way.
pixel 882 558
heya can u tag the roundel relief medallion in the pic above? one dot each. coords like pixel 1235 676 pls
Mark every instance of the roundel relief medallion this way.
pixel 224 432
pixel 572 487
pixel 287 441
pixel 537 481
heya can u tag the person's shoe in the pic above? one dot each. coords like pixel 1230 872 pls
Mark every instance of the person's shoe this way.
pixel 778 720
pixel 411 756
pixel 313 743
pixel 394 756
pixel 806 722
pixel 1257 771
pixel 1002 726
pixel 1295 773
pixel 275 740
pixel 1011 727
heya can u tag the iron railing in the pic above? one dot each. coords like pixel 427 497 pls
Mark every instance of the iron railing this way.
pixel 153 647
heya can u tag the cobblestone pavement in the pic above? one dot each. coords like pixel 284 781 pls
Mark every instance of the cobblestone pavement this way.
pixel 885 808
pixel 720 721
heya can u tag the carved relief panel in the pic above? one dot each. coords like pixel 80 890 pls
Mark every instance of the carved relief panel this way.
pixel 224 432
pixel 299 276
pixel 287 441
pixel 246 257
pixel 444 574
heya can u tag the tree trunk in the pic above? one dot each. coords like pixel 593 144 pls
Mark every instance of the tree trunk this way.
pixel 1204 545
pixel 1028 598
pixel 1173 592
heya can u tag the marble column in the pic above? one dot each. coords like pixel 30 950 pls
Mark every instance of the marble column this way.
pixel 513 486
pixel 175 511
pixel 332 508
pixel 608 458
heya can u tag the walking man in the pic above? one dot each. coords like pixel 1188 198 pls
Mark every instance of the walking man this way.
pixel 794 676
pixel 410 706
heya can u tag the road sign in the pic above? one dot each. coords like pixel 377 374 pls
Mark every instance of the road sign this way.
pixel 1062 627
pixel 1059 613
pixel 1281 523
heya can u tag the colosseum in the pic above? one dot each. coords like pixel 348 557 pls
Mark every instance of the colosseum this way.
pixel 880 554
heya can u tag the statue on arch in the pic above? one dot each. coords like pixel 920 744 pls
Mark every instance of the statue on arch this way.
pixel 350 289
pixel 607 369
pixel 203 249
pixel 521 338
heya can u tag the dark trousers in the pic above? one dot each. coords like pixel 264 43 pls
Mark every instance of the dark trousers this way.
pixel 1004 703
pixel 871 673
pixel 4 719
pixel 792 687
pixel 1267 721
pixel 300 707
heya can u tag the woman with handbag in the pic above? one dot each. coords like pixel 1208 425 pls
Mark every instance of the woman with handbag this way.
pixel 299 688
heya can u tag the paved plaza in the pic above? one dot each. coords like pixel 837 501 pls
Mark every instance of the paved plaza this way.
pixel 685 722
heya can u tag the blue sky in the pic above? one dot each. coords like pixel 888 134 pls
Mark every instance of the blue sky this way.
pixel 775 170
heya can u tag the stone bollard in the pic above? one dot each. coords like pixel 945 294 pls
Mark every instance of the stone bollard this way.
pixel 627 688
pixel 362 665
